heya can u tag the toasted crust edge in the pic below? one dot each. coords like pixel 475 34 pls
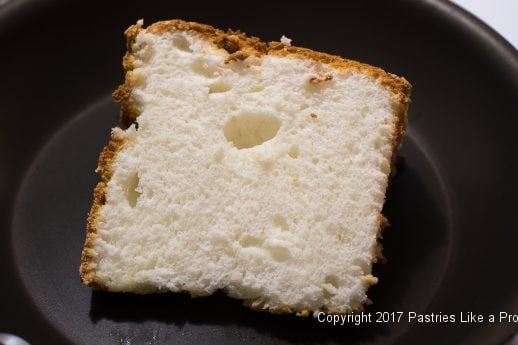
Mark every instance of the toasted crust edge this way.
pixel 105 170
pixel 239 46
pixel 128 113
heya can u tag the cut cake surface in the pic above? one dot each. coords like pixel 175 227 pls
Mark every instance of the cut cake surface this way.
pixel 256 168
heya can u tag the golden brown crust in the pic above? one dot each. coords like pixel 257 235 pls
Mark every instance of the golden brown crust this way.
pixel 105 170
pixel 239 55
pixel 369 280
pixel 239 46
pixel 128 115
pixel 123 94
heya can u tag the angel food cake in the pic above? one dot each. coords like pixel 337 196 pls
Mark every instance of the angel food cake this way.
pixel 256 168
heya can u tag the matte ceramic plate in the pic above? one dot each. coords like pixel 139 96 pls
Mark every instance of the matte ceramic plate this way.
pixel 453 241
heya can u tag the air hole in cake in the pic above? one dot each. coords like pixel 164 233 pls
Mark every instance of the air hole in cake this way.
pixel 314 161
pixel 377 143
pixel 219 87
pixel 132 194
pixel 205 68
pixel 181 42
pixel 332 280
pixel 294 151
pixel 280 253
pixel 249 130
pixel 280 222
pixel 146 53
pixel 257 88
pixel 361 263
pixel 250 241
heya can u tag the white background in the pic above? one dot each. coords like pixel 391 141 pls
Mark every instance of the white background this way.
pixel 501 15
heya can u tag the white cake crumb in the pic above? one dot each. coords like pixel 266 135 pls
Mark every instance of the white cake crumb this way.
pixel 286 41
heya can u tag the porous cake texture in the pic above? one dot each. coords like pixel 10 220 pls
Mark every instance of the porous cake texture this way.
pixel 256 168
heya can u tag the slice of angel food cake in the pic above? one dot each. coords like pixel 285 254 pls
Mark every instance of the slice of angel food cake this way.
pixel 255 168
